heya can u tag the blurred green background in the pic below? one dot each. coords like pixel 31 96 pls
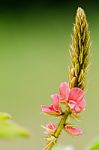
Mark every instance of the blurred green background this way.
pixel 34 57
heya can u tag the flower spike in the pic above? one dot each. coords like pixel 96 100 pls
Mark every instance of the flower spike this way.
pixel 71 94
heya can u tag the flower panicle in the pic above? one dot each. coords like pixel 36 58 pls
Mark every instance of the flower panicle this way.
pixel 79 51
pixel 71 94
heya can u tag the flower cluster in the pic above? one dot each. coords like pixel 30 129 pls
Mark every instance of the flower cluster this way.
pixel 74 101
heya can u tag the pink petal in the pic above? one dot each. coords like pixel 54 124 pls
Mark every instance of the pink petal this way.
pixel 51 126
pixel 44 108
pixel 47 109
pixel 76 94
pixel 50 110
pixel 82 104
pixel 55 99
pixel 72 104
pixel 64 90
pixel 73 130
pixel 77 109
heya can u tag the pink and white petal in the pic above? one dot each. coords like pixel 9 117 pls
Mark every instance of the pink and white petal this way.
pixel 73 130
pixel 82 104
pixel 51 126
pixel 44 108
pixel 77 109
pixel 50 110
pixel 76 94
pixel 71 104
pixel 61 100
pixel 47 109
pixel 64 90
pixel 55 99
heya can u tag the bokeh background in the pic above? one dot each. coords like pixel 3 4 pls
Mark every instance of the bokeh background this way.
pixel 34 59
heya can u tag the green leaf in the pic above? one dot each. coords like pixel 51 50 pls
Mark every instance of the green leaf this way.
pixel 95 147
pixel 9 129
pixel 5 116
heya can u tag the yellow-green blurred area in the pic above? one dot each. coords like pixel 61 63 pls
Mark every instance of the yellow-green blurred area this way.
pixel 34 59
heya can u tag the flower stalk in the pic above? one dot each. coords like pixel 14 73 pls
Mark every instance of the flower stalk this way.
pixel 58 130
pixel 72 94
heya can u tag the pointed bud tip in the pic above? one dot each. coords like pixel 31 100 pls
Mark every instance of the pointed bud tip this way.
pixel 80 11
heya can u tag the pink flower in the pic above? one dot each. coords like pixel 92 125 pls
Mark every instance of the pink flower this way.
pixel 52 109
pixel 50 128
pixel 72 130
pixel 74 97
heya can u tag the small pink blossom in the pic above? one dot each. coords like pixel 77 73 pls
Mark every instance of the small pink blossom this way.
pixel 50 128
pixel 52 109
pixel 74 97
pixel 72 130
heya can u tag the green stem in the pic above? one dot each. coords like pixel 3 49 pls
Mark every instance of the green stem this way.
pixel 58 130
